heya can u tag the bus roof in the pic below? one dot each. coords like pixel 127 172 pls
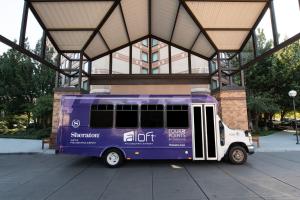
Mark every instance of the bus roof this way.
pixel 197 98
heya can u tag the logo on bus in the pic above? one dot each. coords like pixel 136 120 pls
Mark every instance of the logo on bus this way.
pixel 135 137
pixel 76 123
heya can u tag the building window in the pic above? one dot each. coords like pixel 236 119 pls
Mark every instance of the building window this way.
pixel 144 70
pixel 154 42
pixel 155 70
pixel 145 43
pixel 152 116
pixel 144 57
pixel 127 116
pixel 154 56
pixel 177 116
pixel 101 116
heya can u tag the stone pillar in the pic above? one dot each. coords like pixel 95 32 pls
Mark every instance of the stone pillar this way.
pixel 233 107
pixel 58 92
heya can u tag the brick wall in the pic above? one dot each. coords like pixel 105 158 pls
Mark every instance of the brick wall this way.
pixel 233 108
pixel 58 92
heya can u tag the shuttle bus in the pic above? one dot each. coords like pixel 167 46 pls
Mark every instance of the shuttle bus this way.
pixel 124 127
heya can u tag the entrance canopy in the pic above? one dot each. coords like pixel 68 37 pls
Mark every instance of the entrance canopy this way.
pixel 98 27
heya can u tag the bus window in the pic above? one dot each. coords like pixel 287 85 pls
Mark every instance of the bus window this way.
pixel 152 116
pixel 177 116
pixel 101 116
pixel 222 133
pixel 127 116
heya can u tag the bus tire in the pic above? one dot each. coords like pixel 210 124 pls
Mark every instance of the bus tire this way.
pixel 237 155
pixel 113 158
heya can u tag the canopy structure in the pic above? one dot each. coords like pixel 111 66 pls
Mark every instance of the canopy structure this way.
pixel 97 27
pixel 204 28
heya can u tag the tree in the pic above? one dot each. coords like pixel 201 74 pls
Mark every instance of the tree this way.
pixel 269 81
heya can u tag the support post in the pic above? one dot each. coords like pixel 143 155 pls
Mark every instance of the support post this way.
pixel 130 59
pixel 254 41
pixel 219 70
pixel 242 71
pixel 273 22
pixel 23 24
pixel 110 63
pixel 80 71
pixel 89 77
pixel 190 63
pixel 43 45
pixel 150 56
pixel 70 72
pixel 170 59
pixel 57 73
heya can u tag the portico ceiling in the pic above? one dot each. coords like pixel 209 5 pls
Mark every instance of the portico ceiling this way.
pixel 97 27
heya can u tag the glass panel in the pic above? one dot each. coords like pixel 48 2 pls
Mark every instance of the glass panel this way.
pixel 264 34
pixel 154 56
pixel 179 61
pixel 101 65
pixel 287 18
pixel 10 20
pixel 34 33
pixel 247 53
pixel 145 42
pixel 121 61
pixel 154 42
pixel 140 63
pixel 199 65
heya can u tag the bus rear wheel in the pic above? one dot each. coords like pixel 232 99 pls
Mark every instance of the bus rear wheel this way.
pixel 237 155
pixel 113 158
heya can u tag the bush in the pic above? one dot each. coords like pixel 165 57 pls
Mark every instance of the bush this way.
pixel 30 133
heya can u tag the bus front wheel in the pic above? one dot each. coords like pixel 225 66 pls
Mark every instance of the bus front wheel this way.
pixel 113 158
pixel 237 155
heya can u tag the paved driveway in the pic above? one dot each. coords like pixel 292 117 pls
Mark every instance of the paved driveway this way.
pixel 265 176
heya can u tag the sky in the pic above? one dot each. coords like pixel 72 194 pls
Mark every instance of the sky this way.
pixel 287 16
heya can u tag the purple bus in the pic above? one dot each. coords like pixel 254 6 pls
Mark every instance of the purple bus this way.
pixel 124 127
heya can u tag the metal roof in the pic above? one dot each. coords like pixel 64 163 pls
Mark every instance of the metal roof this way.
pixel 97 27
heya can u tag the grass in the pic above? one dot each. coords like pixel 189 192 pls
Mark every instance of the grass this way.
pixel 31 133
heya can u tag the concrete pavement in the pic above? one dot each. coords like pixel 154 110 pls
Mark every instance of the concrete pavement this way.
pixel 56 177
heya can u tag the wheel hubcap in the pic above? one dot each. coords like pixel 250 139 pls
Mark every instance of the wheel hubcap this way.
pixel 113 158
pixel 238 155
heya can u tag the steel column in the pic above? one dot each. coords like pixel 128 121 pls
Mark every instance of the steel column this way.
pixel 170 59
pixel 110 63
pixel 90 73
pixel 150 56
pixel 23 24
pixel 190 63
pixel 242 71
pixel 273 22
pixel 130 59
pixel 57 75
pixel 80 71
pixel 219 70
pixel 254 42
pixel 43 45
pixel 70 68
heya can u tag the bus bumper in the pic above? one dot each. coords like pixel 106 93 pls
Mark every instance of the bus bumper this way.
pixel 251 149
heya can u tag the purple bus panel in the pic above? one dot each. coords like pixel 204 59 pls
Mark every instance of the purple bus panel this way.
pixel 75 136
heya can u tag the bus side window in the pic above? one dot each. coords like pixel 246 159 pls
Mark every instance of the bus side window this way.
pixel 152 116
pixel 127 116
pixel 177 116
pixel 101 116
pixel 222 133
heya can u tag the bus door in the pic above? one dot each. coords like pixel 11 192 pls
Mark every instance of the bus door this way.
pixel 204 132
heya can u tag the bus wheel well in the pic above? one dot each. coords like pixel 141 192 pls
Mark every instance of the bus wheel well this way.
pixel 112 148
pixel 238 144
